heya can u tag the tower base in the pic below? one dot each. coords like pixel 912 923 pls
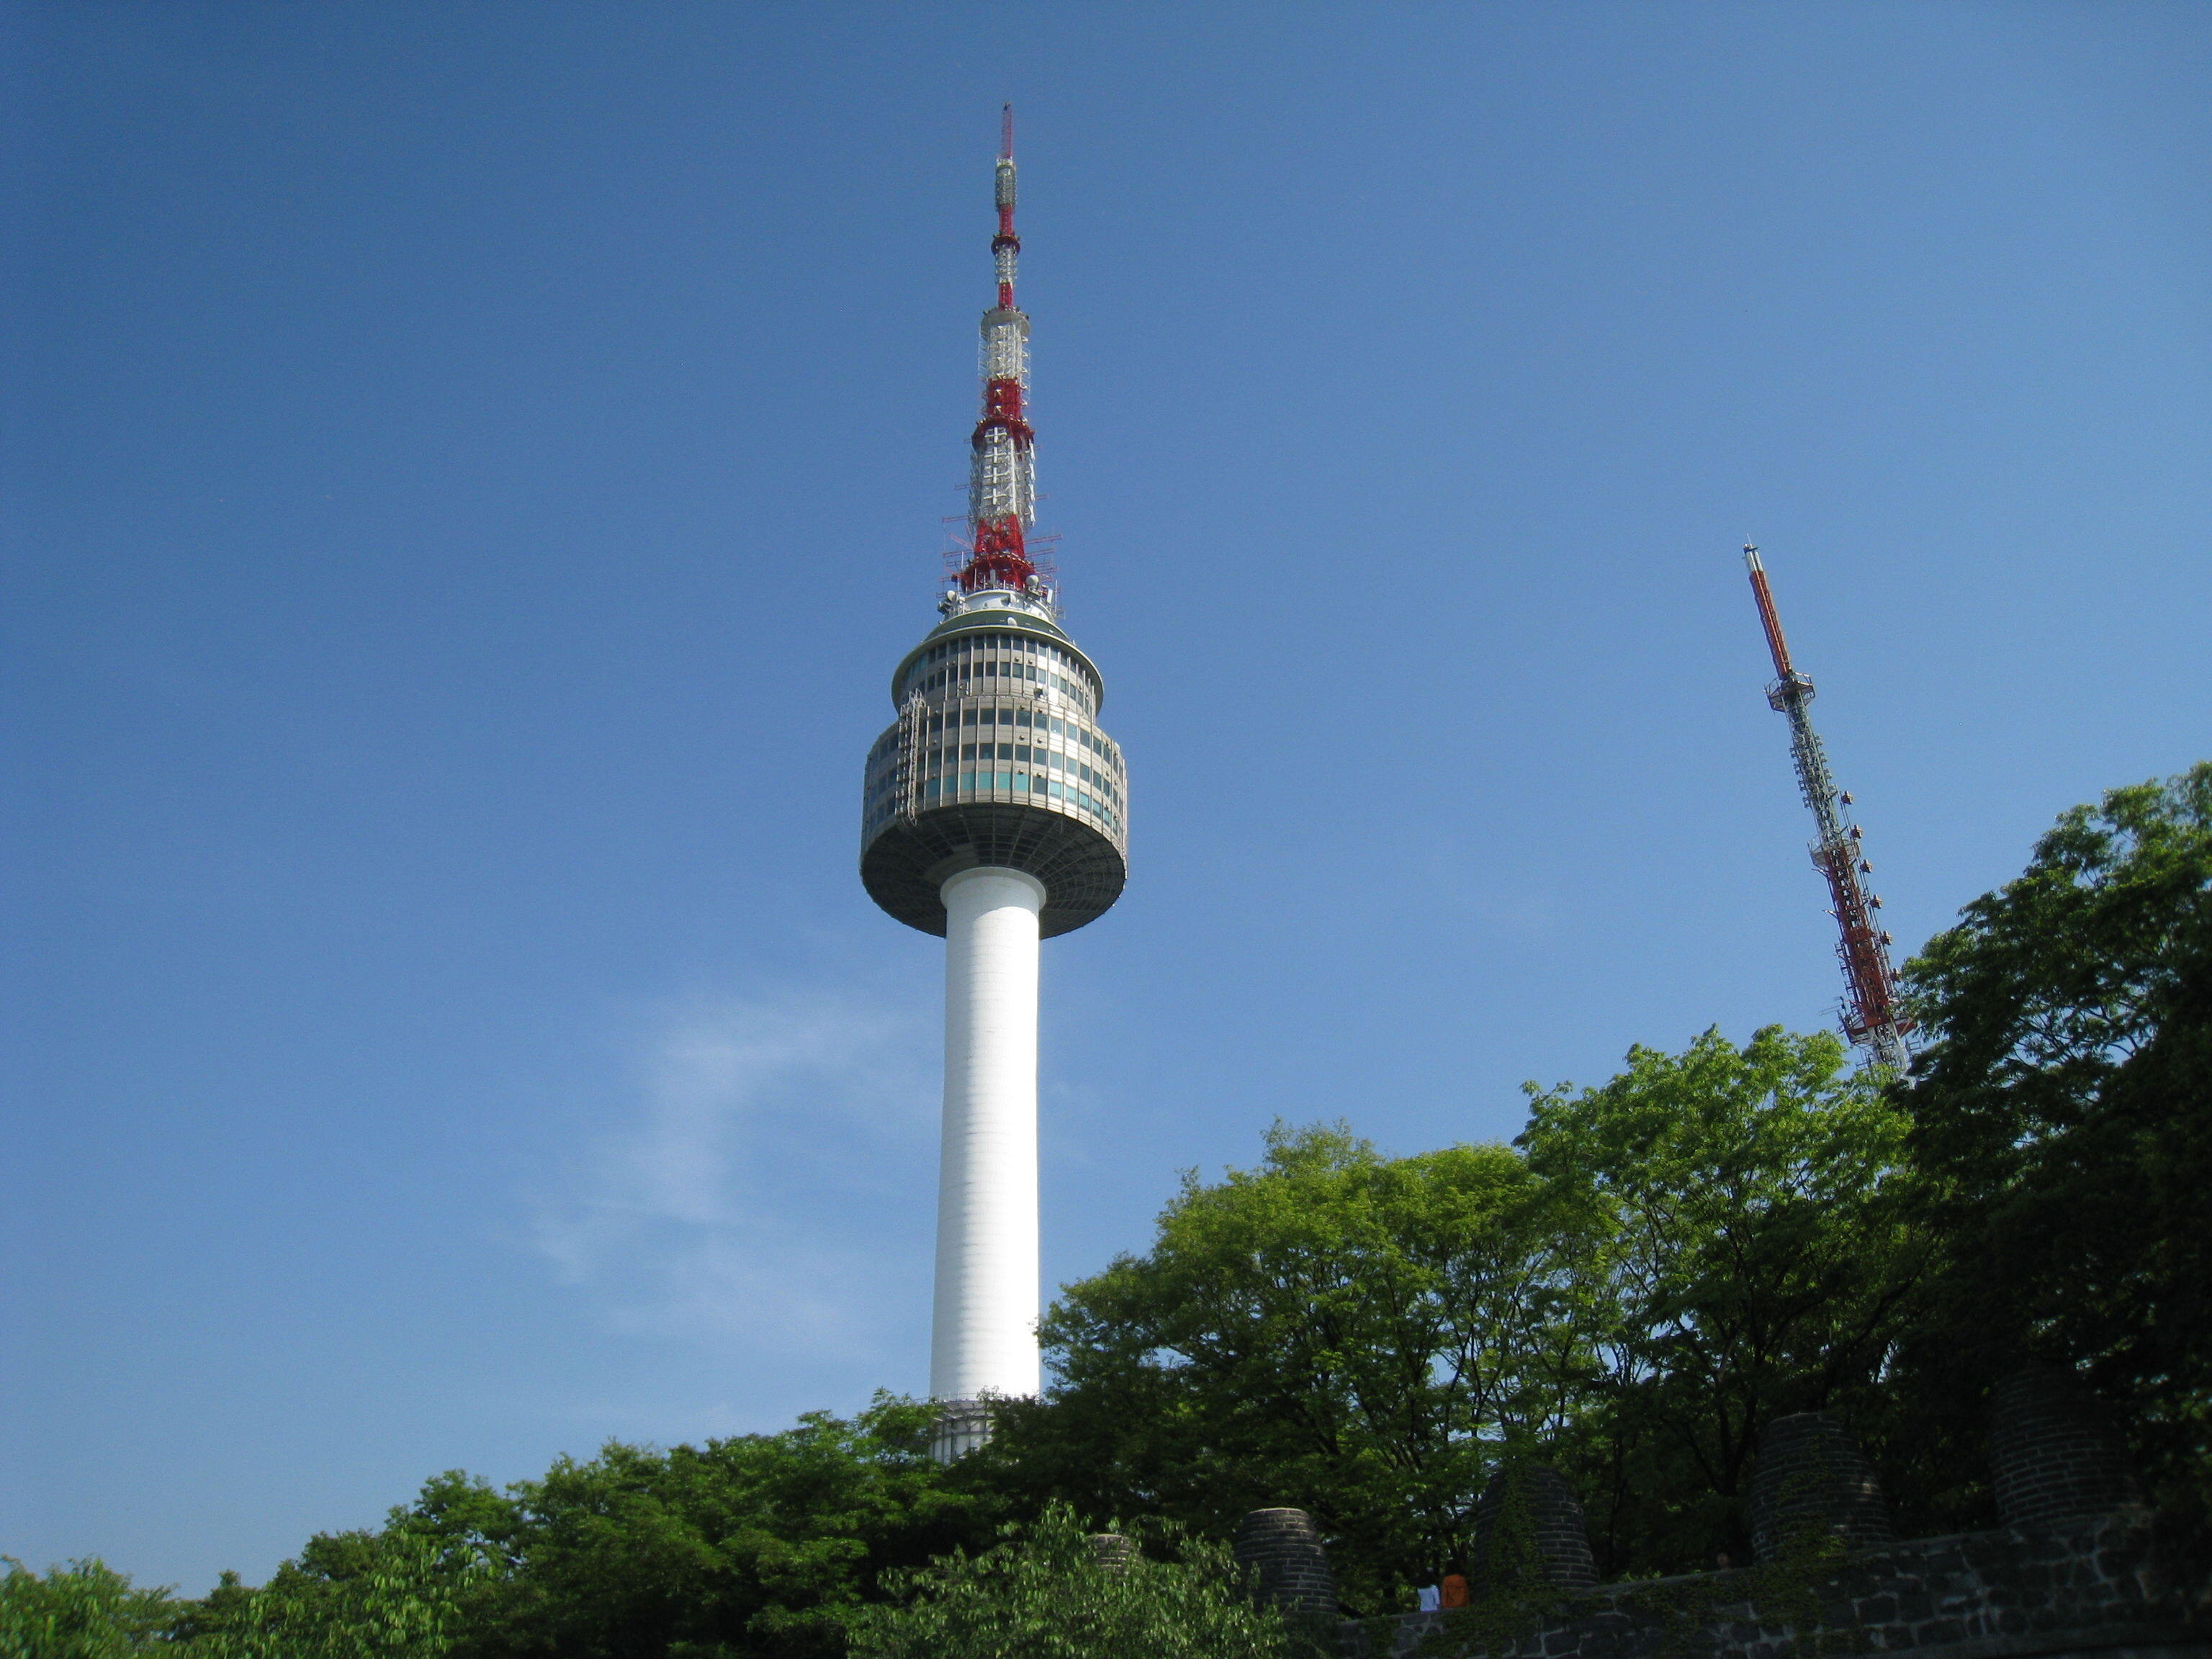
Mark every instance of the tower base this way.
pixel 962 1426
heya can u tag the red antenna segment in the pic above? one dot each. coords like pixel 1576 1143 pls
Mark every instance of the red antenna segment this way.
pixel 1872 1014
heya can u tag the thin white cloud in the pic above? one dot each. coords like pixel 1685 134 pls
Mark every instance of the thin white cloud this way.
pixel 774 1187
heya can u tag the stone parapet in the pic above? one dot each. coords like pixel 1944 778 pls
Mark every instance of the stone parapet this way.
pixel 2067 1590
pixel 1283 1552
pixel 1530 1529
pixel 1812 1482
pixel 2054 1454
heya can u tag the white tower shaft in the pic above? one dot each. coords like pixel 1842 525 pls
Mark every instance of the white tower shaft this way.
pixel 984 1339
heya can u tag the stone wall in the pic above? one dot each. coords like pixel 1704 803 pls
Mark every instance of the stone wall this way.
pixel 2090 1585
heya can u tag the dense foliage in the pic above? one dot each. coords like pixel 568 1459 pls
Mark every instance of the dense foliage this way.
pixel 760 1545
pixel 1753 1256
pixel 1656 1267
pixel 84 1610
pixel 1045 1594
pixel 1333 1329
pixel 2063 1126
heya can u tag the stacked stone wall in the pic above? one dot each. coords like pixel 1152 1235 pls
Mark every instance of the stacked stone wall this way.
pixel 2088 1586
pixel 2054 1454
pixel 1283 1552
pixel 1528 1529
pixel 1812 1483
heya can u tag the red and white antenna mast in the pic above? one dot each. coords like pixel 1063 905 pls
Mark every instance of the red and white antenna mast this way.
pixel 1002 471
pixel 1871 1013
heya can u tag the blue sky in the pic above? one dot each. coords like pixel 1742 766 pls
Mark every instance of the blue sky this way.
pixel 471 470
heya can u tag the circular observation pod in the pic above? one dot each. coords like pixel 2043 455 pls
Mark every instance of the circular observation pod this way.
pixel 997 759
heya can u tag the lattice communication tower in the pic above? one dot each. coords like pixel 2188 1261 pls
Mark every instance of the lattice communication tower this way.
pixel 1871 1008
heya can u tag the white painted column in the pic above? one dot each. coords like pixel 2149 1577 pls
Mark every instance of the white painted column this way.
pixel 983 1337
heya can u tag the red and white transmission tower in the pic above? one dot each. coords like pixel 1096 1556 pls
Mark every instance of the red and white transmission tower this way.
pixel 1869 1007
pixel 1002 469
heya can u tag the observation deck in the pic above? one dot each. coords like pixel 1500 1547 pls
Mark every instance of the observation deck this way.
pixel 997 759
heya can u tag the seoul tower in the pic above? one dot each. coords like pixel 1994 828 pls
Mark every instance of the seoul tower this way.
pixel 995 815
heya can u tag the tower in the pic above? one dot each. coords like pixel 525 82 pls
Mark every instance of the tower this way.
pixel 994 814
pixel 1871 1016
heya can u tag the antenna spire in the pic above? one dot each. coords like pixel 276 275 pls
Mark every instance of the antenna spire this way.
pixel 1002 468
pixel 1871 1012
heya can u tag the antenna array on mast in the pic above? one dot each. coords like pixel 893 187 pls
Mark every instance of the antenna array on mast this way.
pixel 1002 467
pixel 1871 1011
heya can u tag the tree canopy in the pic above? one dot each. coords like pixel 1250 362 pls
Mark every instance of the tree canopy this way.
pixel 2062 1123
pixel 1046 1593
pixel 1753 1257
pixel 1333 1329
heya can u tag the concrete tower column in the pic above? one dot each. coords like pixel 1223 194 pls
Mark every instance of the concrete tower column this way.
pixel 984 1333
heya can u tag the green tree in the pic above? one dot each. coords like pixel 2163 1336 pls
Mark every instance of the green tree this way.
pixel 1044 1594
pixel 757 1547
pixel 1346 1333
pixel 1757 1261
pixel 349 1596
pixel 82 1610
pixel 2063 1118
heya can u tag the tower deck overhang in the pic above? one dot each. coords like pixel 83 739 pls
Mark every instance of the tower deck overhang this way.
pixel 905 865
